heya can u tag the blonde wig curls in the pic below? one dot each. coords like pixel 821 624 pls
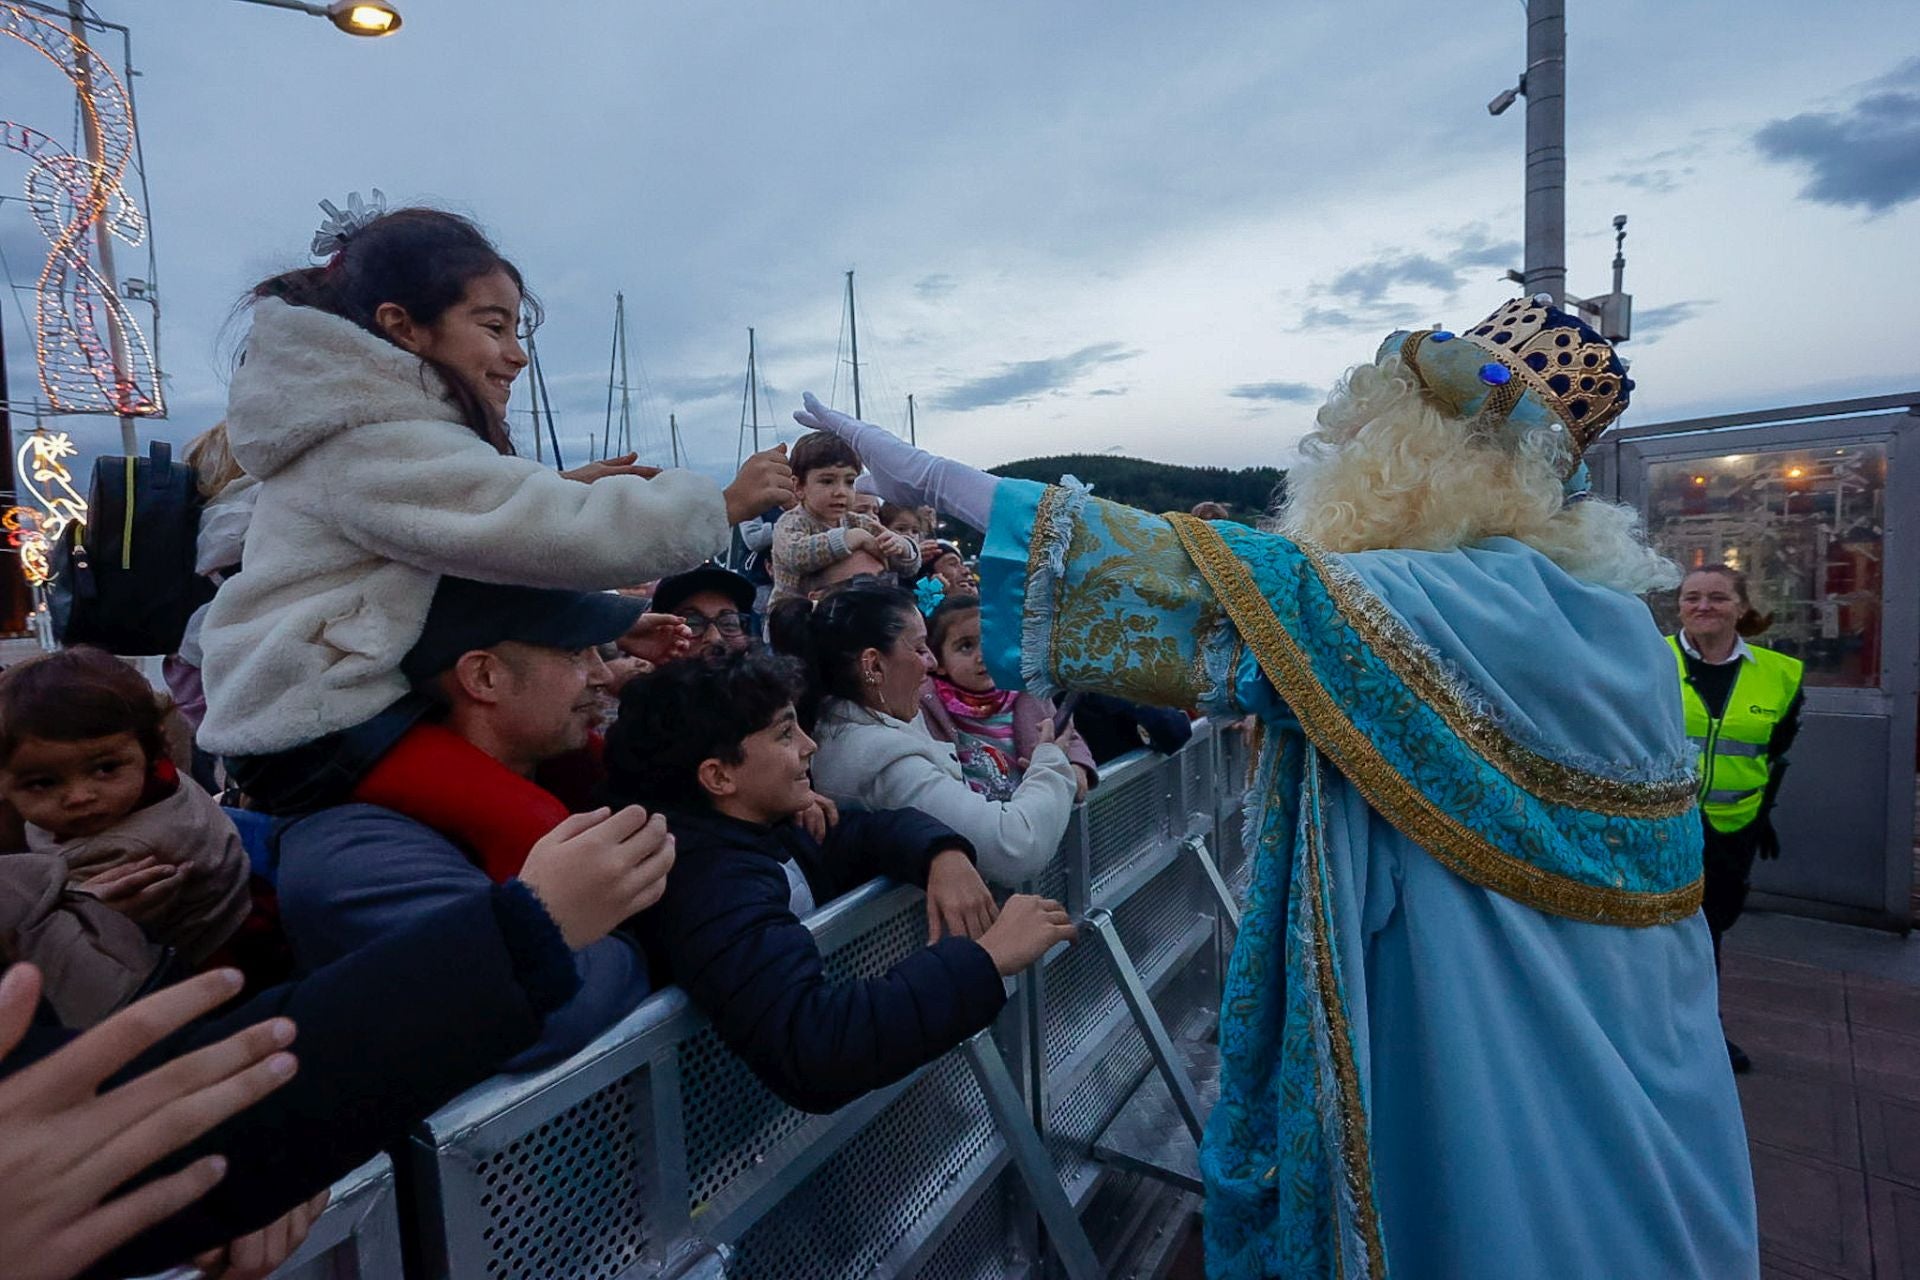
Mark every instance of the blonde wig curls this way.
pixel 1385 468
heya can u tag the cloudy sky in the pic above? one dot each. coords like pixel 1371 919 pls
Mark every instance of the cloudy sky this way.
pixel 1154 229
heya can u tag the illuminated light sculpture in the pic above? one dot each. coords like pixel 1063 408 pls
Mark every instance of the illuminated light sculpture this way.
pixel 32 530
pixel 70 198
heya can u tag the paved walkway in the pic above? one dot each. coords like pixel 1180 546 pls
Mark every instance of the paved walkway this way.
pixel 1831 1018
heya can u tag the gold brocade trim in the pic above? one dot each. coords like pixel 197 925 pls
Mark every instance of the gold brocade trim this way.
pixel 1046 520
pixel 1458 848
pixel 1356 1163
pixel 1420 670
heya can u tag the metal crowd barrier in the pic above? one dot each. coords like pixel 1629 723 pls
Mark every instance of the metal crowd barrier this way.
pixel 358 1237
pixel 654 1152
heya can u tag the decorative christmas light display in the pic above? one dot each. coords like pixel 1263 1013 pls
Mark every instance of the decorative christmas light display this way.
pixel 42 474
pixel 82 369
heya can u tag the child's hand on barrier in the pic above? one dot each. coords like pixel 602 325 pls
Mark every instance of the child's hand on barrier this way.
pixel 1027 929
pixel 258 1254
pixel 959 904
pixel 596 869
pixel 765 481
pixel 142 890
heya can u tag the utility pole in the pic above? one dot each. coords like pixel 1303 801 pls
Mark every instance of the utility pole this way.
pixel 853 332
pixel 673 438
pixel 16 600
pixel 913 433
pixel 1546 81
pixel 102 236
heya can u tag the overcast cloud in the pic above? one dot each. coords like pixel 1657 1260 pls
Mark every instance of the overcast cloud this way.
pixel 1076 226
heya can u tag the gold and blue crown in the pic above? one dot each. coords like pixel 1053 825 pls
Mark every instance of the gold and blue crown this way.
pixel 1528 365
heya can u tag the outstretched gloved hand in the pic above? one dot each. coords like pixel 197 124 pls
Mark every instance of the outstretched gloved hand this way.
pixel 906 475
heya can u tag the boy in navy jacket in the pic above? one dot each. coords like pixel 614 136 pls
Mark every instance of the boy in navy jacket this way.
pixel 718 748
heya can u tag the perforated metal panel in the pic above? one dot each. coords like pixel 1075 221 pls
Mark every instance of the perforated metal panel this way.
pixel 1128 818
pixel 1080 993
pixel 1074 1120
pixel 566 1198
pixel 879 1189
pixel 984 1245
pixel 732 1122
pixel 552 1177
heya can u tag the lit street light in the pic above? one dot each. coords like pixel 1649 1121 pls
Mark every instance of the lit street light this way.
pixel 355 17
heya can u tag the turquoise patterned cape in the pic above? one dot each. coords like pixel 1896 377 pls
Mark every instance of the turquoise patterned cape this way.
pixel 1558 819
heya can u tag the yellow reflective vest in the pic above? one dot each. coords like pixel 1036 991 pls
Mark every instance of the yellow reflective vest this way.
pixel 1733 748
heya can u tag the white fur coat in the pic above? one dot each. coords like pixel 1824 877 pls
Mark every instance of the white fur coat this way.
pixel 371 489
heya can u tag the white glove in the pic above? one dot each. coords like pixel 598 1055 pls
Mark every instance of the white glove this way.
pixel 906 475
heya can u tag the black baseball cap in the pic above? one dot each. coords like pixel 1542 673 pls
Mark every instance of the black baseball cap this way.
pixel 468 615
pixel 673 592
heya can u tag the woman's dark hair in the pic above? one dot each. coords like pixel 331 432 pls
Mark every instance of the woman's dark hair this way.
pixel 830 636
pixel 1752 622
pixel 75 694
pixel 421 260
pixel 944 616
pixel 688 712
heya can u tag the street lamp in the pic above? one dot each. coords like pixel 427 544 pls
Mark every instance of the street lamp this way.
pixel 355 17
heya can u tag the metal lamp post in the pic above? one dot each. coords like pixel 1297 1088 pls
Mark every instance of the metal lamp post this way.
pixel 355 17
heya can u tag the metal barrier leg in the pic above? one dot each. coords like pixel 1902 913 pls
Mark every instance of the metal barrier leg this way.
pixel 1147 1018
pixel 1197 846
pixel 1064 1229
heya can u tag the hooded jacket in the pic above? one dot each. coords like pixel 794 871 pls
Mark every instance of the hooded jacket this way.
pixel 372 489
pixel 188 829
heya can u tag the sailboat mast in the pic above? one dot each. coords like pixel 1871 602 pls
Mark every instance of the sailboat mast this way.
pixel 913 434
pixel 853 332
pixel 626 407
pixel 753 388
pixel 673 436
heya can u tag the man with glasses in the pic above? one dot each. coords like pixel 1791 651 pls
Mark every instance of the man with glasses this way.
pixel 716 603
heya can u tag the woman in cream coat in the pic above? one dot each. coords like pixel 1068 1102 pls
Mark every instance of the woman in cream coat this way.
pixel 866 649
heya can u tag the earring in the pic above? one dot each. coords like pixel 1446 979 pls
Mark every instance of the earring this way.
pixel 873 677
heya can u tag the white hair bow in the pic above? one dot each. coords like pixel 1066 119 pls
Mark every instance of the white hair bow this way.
pixel 340 226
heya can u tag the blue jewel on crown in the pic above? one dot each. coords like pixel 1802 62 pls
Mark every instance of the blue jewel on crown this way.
pixel 1495 374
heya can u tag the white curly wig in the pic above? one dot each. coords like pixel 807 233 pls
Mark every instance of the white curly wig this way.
pixel 1385 469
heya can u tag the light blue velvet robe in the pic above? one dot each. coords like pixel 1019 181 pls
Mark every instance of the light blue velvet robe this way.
pixel 1446 1061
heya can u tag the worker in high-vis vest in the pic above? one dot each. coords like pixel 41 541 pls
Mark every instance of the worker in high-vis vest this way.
pixel 1743 709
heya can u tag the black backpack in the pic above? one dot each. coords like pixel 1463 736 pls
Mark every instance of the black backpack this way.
pixel 124 580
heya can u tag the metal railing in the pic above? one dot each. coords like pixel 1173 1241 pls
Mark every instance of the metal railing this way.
pixel 655 1152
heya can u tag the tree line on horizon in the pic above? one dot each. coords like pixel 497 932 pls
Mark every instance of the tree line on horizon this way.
pixel 1248 493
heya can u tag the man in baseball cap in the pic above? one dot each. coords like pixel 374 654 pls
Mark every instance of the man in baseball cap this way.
pixel 513 676
pixel 717 606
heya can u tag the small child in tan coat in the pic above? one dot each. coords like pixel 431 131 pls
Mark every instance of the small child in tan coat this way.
pixel 110 823
pixel 814 537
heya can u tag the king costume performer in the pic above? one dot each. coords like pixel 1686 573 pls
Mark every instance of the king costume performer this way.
pixel 1470 1025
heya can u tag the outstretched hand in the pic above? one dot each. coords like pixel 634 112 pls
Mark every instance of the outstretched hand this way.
pixel 624 465
pixel 66 1145
pixel 865 439
pixel 903 474
pixel 658 638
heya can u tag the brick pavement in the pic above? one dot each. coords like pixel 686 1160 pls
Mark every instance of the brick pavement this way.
pixel 1831 1018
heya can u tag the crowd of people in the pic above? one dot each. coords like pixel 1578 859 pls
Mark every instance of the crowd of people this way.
pixel 467 756
pixel 449 705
